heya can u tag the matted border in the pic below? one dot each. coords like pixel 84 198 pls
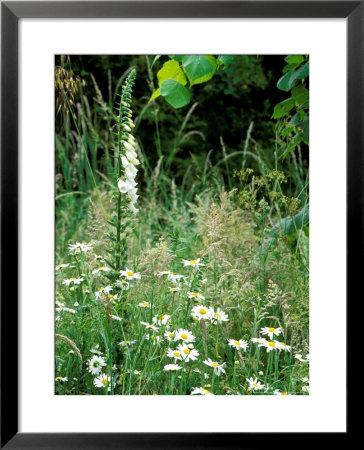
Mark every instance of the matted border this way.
pixel 11 13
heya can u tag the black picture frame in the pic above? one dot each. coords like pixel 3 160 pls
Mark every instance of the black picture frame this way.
pixel 11 12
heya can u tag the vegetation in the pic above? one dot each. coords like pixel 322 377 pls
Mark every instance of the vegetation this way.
pixel 182 225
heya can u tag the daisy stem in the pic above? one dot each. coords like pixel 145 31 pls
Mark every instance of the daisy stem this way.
pixel 218 384
pixel 269 364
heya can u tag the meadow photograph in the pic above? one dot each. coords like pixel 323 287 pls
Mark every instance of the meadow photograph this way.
pixel 182 225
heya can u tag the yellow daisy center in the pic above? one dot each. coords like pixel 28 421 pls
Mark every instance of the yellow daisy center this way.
pixel 284 345
pixel 217 315
pixel 177 354
pixel 186 351
pixel 203 311
pixel 110 296
pixel 215 364
pixel 237 343
pixel 271 330
pixel 192 261
pixel 130 273
pixel 271 344
pixel 205 391
pixel 100 268
pixel 74 278
pixel 171 335
pixel 284 393
pixel 104 381
pixel 145 303
pixel 162 316
pixel 194 294
pixel 255 384
pixel 184 336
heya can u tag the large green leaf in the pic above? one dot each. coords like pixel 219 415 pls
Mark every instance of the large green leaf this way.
pixel 294 59
pixel 175 93
pixel 289 80
pixel 199 68
pixel 225 59
pixel 299 94
pixel 283 108
pixel 171 69
pixel 303 71
pixel 177 57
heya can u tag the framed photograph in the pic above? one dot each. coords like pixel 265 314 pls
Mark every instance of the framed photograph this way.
pixel 181 197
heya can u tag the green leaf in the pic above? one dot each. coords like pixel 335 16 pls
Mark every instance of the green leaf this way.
pixel 155 95
pixel 289 67
pixel 299 94
pixel 303 72
pixel 177 57
pixel 171 69
pixel 287 82
pixel 283 108
pixel 175 93
pixel 305 130
pixel 294 59
pixel 225 59
pixel 199 68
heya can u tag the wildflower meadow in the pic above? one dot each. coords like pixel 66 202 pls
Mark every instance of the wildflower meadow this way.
pixel 182 225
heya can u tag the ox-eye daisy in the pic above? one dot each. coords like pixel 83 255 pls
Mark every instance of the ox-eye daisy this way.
pixel 218 368
pixel 241 344
pixel 195 295
pixel 192 262
pixel 150 326
pixel 101 269
pixel 201 312
pixel 103 381
pixel 174 354
pixel 129 274
pixel 184 335
pixel 278 392
pixel 77 248
pixel 126 343
pixel 95 364
pixel 300 358
pixel 161 319
pixel 283 346
pixel 260 341
pixel 254 384
pixel 201 391
pixel 61 379
pixel 271 331
pixel 172 367
pixel 187 353
pixel 219 316
pixel 174 288
pixel 169 335
pixel 144 304
pixel 61 266
pixel 270 345
pixel 73 280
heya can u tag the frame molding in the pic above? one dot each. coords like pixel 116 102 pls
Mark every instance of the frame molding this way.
pixel 11 12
